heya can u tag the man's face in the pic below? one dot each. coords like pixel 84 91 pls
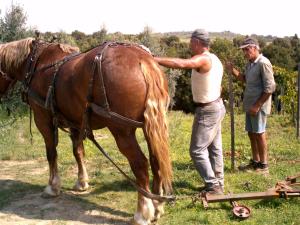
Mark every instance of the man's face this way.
pixel 194 45
pixel 250 53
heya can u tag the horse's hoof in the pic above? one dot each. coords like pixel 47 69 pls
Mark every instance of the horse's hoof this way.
pixel 159 210
pixel 138 219
pixel 80 186
pixel 50 193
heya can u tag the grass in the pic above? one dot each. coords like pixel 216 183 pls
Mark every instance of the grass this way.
pixel 112 193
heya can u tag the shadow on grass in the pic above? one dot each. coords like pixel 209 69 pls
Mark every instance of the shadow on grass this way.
pixel 185 185
pixel 20 200
pixel 275 202
pixel 116 186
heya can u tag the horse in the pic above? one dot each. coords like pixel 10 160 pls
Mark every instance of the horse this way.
pixel 114 85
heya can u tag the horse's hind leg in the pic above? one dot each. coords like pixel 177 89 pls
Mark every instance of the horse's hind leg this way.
pixel 129 147
pixel 78 152
pixel 156 188
pixel 44 123
pixel 157 184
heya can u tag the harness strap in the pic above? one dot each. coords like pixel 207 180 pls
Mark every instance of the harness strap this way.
pixel 115 116
pixel 30 67
pixel 30 125
pixel 50 102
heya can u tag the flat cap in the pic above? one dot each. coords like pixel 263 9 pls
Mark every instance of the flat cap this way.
pixel 201 35
pixel 250 42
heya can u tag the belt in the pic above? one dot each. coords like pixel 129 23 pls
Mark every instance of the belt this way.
pixel 199 104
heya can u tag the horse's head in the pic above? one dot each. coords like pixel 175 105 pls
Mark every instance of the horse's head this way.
pixel 13 58
pixel 19 58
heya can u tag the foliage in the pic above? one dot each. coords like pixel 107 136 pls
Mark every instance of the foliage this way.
pixel 283 52
pixel 172 77
pixel 227 52
pixel 86 42
pixel 60 37
pixel 13 25
pixel 285 94
pixel 147 39
pixel 12 103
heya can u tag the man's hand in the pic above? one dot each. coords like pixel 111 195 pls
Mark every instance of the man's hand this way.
pixel 230 69
pixel 254 110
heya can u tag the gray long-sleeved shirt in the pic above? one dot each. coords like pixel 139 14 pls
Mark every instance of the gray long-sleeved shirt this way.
pixel 259 78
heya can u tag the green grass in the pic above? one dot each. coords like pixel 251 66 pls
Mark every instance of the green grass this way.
pixel 112 193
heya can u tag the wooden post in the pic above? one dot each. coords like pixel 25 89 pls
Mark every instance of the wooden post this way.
pixel 298 103
pixel 231 104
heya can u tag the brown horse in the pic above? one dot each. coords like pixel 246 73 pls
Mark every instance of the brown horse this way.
pixel 119 78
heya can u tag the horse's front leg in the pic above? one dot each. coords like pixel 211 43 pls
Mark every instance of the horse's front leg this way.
pixel 78 152
pixel 44 123
pixel 129 147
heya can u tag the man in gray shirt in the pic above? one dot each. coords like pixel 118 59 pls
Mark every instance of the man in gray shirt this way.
pixel 259 87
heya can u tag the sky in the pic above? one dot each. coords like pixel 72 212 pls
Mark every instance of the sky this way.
pixel 263 17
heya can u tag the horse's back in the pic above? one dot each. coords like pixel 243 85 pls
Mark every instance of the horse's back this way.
pixel 124 79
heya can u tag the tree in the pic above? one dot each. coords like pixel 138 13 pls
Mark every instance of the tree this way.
pixel 295 42
pixel 101 35
pixel 60 37
pixel 146 38
pixel 13 25
pixel 280 53
pixel 227 52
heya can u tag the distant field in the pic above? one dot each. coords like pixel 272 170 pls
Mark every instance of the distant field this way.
pixel 24 174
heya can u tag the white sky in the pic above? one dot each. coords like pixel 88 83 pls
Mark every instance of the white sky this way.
pixel 264 17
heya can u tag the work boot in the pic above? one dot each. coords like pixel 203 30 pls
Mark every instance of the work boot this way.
pixel 214 190
pixel 262 168
pixel 249 167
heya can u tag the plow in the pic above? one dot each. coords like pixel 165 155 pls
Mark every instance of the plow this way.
pixel 289 188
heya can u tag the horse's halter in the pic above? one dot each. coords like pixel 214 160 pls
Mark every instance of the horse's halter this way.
pixel 30 63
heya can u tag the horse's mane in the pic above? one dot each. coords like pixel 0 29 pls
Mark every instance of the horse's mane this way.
pixel 68 48
pixel 13 54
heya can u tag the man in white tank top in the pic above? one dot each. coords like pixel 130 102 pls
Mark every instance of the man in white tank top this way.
pixel 206 141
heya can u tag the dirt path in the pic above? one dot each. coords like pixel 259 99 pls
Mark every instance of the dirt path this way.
pixel 30 208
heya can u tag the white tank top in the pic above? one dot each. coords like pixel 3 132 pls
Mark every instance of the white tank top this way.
pixel 206 87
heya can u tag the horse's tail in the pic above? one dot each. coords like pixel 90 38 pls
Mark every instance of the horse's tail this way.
pixel 156 127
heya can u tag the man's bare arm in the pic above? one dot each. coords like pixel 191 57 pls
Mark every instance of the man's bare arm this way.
pixel 195 62
pixel 258 104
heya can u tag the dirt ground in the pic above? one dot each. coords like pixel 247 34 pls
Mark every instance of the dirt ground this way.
pixel 31 208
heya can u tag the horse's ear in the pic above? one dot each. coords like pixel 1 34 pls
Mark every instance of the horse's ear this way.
pixel 37 35
pixel 54 38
